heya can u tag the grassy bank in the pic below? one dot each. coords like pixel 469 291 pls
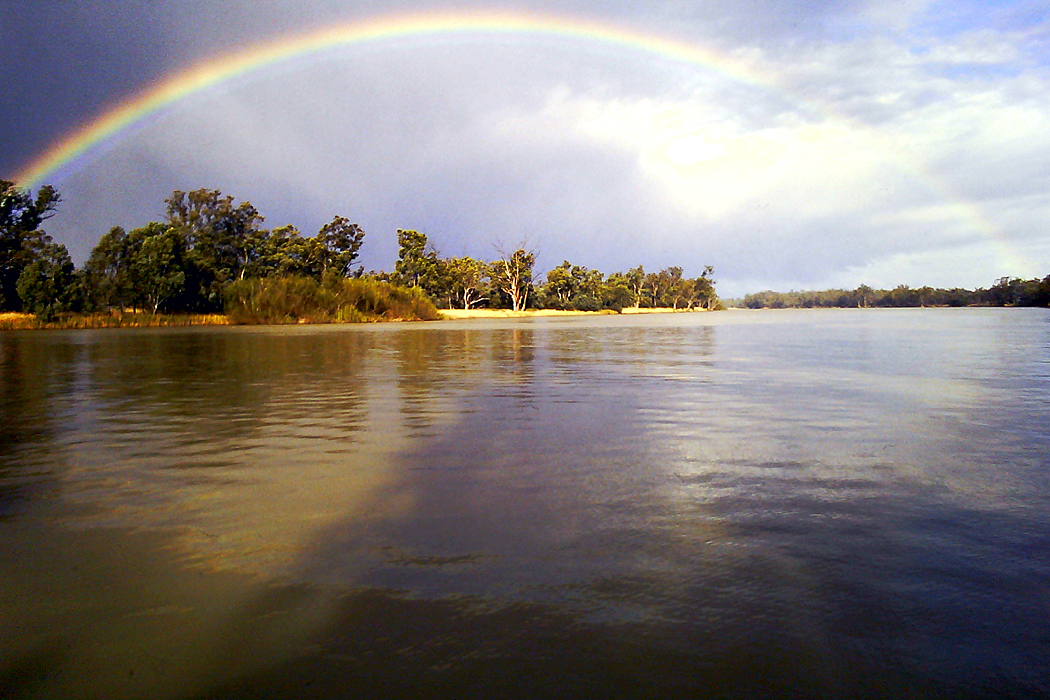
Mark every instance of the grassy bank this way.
pixel 115 319
pixel 264 301
pixel 304 300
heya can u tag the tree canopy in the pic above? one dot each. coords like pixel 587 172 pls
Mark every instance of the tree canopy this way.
pixel 22 241
pixel 209 242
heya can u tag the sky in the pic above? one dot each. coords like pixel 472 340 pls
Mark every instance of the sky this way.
pixel 790 144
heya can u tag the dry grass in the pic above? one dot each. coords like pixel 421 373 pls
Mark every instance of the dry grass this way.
pixel 120 319
pixel 304 300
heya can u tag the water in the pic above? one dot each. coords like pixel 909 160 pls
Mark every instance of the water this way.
pixel 839 503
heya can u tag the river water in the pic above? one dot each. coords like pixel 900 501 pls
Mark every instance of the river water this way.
pixel 833 503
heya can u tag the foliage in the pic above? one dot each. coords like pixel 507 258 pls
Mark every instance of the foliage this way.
pixel 617 293
pixel 573 287
pixel 147 268
pixel 21 240
pixel 158 266
pixel 222 240
pixel 1009 291
pixel 337 300
pixel 212 254
pixel 417 261
pixel 208 242
pixel 467 281
pixel 47 285
pixel 512 276
pixel 1006 292
pixel 106 275
pixel 337 244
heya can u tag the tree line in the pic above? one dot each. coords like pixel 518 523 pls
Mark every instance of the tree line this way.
pixel 183 264
pixel 1007 291
pixel 204 256
pixel 509 282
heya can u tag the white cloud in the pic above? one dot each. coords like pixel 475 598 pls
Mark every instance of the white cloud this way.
pixel 984 47
pixel 895 14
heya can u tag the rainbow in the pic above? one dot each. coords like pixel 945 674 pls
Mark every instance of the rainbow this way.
pixel 112 124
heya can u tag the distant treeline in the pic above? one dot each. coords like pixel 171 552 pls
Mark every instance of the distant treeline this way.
pixel 212 255
pixel 1008 291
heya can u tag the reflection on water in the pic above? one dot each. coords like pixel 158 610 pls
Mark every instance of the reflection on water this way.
pixel 775 504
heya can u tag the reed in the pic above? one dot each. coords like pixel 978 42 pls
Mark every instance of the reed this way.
pixel 337 300
pixel 264 301
pixel 109 319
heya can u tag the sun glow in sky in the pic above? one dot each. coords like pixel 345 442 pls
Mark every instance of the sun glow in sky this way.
pixel 788 144
pixel 693 149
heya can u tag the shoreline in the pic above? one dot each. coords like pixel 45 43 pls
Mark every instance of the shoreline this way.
pixel 18 321
pixel 458 314
pixel 14 321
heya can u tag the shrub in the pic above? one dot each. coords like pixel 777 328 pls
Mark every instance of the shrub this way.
pixel 337 300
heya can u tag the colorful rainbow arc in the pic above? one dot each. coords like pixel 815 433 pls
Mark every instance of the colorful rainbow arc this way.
pixel 193 80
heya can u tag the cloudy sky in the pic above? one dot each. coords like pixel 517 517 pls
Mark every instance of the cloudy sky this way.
pixel 800 145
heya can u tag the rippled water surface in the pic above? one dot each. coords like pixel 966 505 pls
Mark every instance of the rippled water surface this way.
pixel 788 504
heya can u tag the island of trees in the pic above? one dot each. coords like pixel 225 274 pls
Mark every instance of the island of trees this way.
pixel 213 256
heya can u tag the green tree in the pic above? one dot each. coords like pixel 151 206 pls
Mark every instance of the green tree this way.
pixel 339 242
pixel 902 295
pixel 674 288
pixel 588 289
pixel 512 275
pixel 658 286
pixel 616 292
pixel 560 288
pixel 864 295
pixel 1039 294
pixel 467 281
pixel 158 266
pixel 106 280
pixel 21 239
pixel 418 265
pixel 47 284
pixel 222 239
pixel 703 290
pixel 147 268
pixel 573 287
pixel 283 252
pixel 635 281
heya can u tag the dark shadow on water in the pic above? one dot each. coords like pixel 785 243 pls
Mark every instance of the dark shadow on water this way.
pixel 34 375
pixel 382 645
pixel 29 670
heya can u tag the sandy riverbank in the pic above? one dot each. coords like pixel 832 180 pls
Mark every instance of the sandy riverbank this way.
pixel 456 314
